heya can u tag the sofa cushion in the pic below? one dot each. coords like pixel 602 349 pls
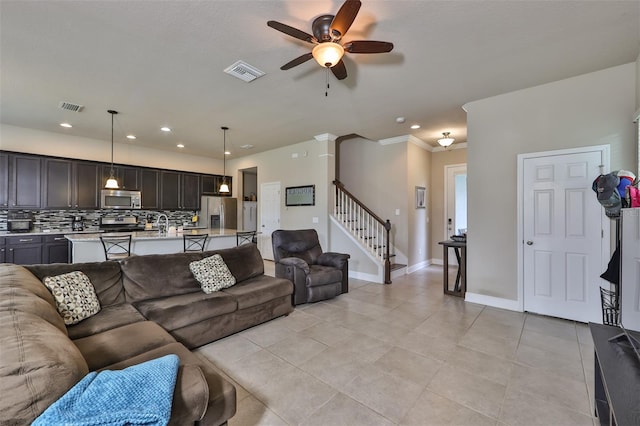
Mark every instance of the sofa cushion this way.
pixel 158 275
pixel 118 344
pixel 243 261
pixel 74 295
pixel 261 289
pixel 178 311
pixel 105 277
pixel 109 317
pixel 38 363
pixel 212 273
pixel 191 396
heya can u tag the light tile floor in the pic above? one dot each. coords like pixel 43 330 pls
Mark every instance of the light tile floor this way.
pixel 405 354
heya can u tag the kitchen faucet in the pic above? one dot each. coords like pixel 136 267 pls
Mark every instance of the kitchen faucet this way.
pixel 166 222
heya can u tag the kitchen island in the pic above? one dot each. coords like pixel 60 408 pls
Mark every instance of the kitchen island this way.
pixel 88 248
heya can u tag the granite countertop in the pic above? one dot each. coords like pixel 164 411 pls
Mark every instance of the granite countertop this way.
pixel 38 232
pixel 154 235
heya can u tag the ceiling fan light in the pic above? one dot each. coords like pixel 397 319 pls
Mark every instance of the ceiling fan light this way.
pixel 328 54
pixel 446 140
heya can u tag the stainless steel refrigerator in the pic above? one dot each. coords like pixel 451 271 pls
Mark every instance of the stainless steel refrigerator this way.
pixel 218 212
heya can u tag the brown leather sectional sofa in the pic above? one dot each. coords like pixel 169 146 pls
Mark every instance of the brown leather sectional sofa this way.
pixel 150 306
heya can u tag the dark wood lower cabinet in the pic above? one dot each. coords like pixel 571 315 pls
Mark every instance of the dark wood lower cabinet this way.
pixel 34 249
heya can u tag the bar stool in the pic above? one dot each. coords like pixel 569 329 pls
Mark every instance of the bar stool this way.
pixel 116 247
pixel 194 242
pixel 246 237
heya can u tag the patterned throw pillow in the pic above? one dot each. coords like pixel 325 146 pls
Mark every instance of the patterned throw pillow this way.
pixel 212 273
pixel 75 296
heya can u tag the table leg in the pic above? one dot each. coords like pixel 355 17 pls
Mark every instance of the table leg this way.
pixel 463 270
pixel 445 268
pixel 458 274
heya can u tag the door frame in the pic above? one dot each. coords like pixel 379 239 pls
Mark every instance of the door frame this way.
pixel 262 237
pixel 605 151
pixel 447 169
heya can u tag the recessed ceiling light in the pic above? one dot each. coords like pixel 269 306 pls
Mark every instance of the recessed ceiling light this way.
pixel 400 120
pixel 132 137
pixel 67 125
pixel 227 153
pixel 247 146
pixel 165 129
pixel 415 126
pixel 180 145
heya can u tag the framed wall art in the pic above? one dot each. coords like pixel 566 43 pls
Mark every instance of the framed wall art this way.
pixel 300 195
pixel 421 197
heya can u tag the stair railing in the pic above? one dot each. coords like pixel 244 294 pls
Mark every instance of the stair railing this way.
pixel 368 227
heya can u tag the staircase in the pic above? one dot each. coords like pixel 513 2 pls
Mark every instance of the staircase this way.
pixel 367 228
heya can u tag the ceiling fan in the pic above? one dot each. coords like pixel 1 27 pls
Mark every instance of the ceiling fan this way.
pixel 328 31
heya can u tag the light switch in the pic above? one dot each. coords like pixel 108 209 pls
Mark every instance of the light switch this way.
pixel 315 219
pixel 397 212
pixel 294 155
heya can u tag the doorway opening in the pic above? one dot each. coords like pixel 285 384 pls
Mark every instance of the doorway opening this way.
pixel 455 206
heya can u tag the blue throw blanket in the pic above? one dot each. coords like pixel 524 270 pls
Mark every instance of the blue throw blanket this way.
pixel 138 395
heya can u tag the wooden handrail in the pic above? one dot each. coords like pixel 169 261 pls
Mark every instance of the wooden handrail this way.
pixel 358 202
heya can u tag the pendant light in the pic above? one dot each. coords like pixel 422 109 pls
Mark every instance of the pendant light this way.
pixel 112 182
pixel 446 140
pixel 224 188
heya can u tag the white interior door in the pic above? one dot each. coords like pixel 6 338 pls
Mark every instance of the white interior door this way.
pixel 455 212
pixel 269 216
pixel 562 236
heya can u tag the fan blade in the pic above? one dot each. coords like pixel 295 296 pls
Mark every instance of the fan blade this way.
pixel 344 18
pixel 368 46
pixel 339 70
pixel 293 32
pixel 297 61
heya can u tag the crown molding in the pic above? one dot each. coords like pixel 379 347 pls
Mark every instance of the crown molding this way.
pixel 636 116
pixel 407 139
pixel 325 137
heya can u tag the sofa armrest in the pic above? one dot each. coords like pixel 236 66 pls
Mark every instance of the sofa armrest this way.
pixel 190 396
pixel 337 260
pixel 295 262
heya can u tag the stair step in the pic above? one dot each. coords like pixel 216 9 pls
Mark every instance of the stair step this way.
pixel 390 255
pixel 395 266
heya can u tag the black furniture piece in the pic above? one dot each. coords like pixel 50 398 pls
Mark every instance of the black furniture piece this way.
pixel 460 249
pixel 194 242
pixel 617 378
pixel 246 237
pixel 116 247
pixel 315 275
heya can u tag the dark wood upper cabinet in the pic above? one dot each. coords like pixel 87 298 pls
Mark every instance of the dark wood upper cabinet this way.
pixel 24 181
pixel 4 180
pixel 69 184
pixel 150 189
pixel 169 190
pixel 211 185
pixel 190 191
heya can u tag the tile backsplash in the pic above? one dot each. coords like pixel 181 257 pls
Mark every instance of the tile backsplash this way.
pixel 60 220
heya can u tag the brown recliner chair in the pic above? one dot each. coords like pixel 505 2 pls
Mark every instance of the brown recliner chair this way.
pixel 315 275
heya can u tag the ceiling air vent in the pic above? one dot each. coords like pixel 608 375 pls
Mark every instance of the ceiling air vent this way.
pixel 70 106
pixel 244 71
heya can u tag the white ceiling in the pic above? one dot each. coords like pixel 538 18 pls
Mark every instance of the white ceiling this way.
pixel 161 63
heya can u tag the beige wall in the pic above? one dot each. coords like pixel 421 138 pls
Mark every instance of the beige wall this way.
pixel 439 160
pixel 418 167
pixel 20 139
pixel 591 109
pixel 638 84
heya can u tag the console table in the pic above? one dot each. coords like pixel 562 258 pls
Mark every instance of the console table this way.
pixel 617 378
pixel 460 249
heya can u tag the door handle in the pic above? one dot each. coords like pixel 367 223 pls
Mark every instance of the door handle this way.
pixel 529 243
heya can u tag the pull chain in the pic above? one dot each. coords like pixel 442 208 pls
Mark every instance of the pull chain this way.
pixel 326 92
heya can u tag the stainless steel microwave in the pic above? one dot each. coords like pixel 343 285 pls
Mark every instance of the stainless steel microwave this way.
pixel 120 199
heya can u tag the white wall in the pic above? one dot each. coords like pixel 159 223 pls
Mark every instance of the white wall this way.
pixel 20 139
pixel 591 109
pixel 418 174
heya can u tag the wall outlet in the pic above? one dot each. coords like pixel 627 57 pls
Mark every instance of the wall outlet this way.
pixel 315 219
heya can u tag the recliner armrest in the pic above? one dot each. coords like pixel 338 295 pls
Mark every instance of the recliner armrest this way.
pixel 337 260
pixel 296 262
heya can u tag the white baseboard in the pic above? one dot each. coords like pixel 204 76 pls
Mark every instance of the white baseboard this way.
pixel 366 277
pixel 495 302
pixel 418 266
pixel 436 262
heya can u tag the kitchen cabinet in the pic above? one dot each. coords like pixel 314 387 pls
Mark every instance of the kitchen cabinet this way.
pixel 24 181
pixel 24 250
pixel 129 177
pixel 56 249
pixel 179 191
pixel 149 188
pixel 69 184
pixel 211 185
pixel 4 180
